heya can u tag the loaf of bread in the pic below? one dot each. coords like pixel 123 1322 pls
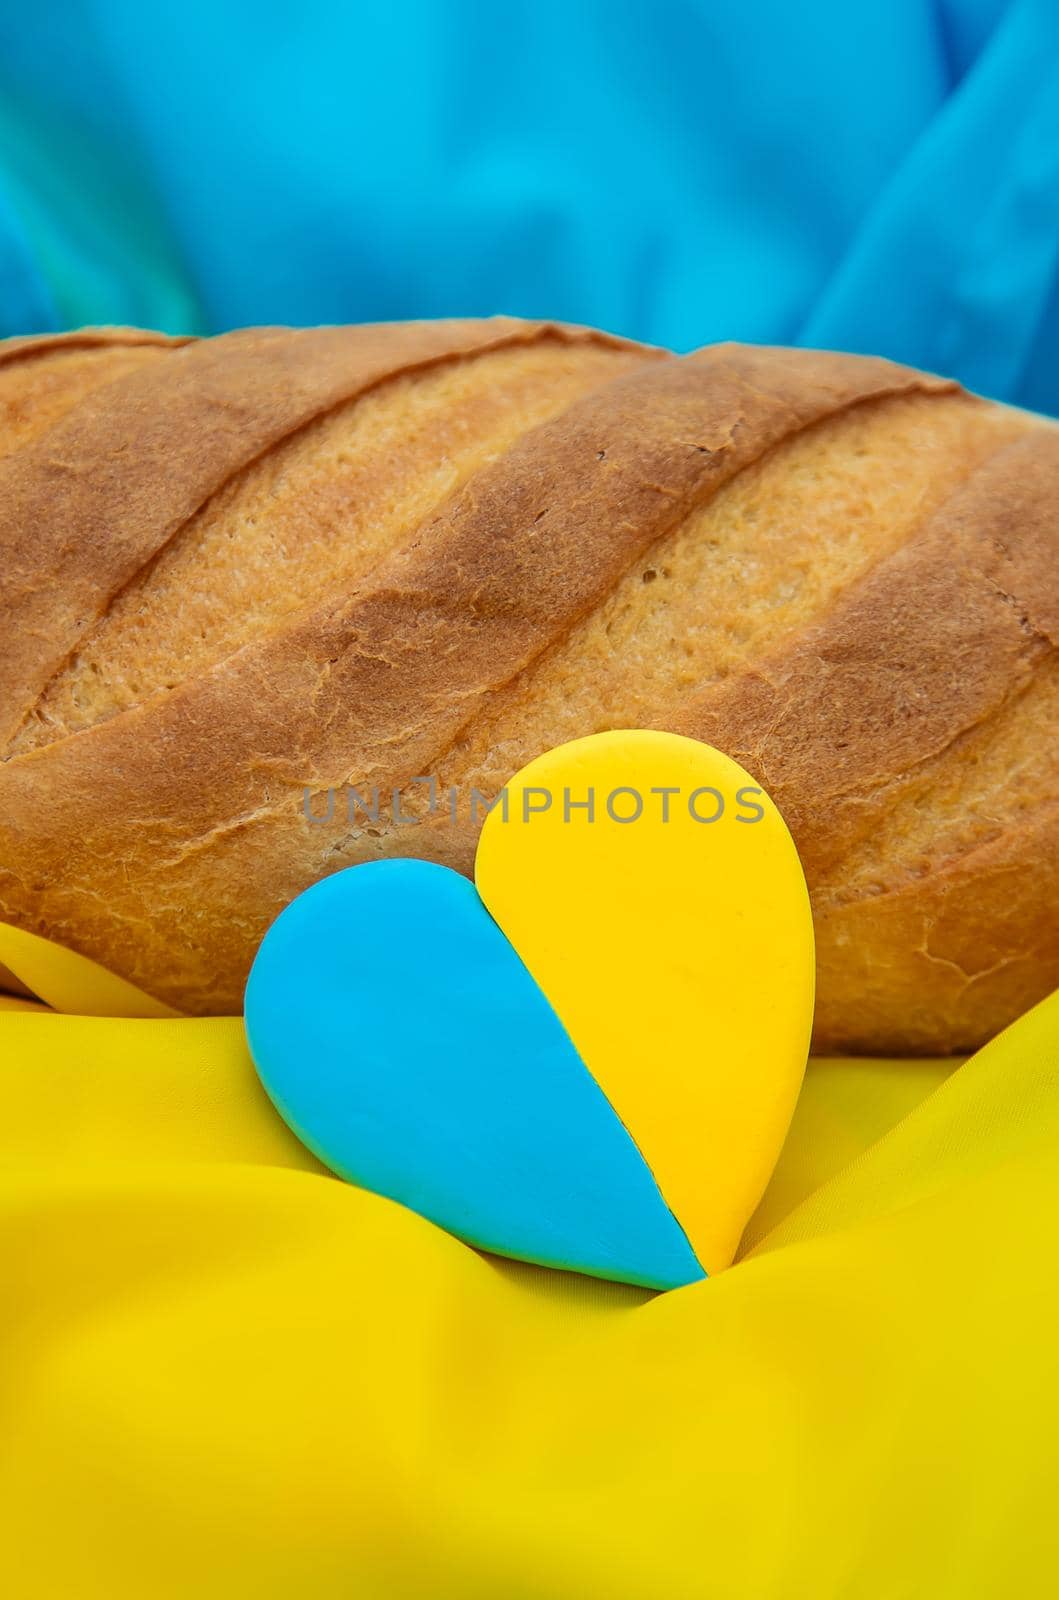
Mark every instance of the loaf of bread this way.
pixel 242 570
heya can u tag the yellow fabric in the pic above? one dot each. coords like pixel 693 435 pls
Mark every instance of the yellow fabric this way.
pixel 228 1374
pixel 71 982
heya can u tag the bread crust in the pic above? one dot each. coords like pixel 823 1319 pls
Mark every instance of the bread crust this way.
pixel 163 840
pixel 858 717
pixel 31 346
pixel 92 502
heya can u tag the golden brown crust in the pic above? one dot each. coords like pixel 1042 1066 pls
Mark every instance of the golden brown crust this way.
pixel 163 839
pixel 939 964
pixel 373 688
pixel 98 497
pixel 925 648
pixel 42 380
pixel 29 346
pixel 855 718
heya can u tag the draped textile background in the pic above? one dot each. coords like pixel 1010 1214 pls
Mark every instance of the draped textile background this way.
pixel 878 176
pixel 226 1373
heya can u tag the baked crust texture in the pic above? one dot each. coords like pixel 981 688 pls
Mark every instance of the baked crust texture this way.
pixel 277 563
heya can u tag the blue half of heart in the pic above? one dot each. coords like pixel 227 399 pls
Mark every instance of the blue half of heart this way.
pixel 403 1040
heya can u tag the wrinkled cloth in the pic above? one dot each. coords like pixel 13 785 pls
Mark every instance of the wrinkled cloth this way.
pixel 227 1373
pixel 880 176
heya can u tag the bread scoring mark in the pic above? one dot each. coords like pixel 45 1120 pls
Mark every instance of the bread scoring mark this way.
pixel 311 518
pixel 761 557
pixel 918 659
pixel 36 346
pixel 116 480
pixel 36 394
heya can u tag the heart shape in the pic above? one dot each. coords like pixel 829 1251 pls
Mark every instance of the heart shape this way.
pixel 589 1060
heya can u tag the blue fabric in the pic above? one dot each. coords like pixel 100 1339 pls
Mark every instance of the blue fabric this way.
pixel 865 174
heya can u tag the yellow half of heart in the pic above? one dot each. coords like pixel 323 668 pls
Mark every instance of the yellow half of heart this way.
pixel 655 894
